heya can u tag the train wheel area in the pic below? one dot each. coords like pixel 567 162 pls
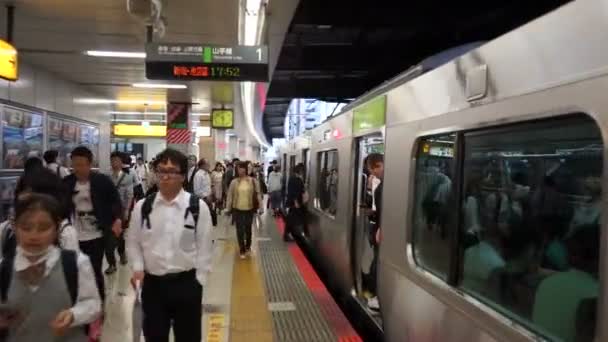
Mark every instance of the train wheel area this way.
pixel 274 294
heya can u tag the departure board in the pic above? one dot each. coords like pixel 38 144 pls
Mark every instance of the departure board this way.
pixel 206 63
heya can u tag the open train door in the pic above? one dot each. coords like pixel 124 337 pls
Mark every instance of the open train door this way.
pixel 361 244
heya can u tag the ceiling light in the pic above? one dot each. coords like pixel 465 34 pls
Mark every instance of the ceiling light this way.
pixel 115 54
pixel 159 86
pixel 108 101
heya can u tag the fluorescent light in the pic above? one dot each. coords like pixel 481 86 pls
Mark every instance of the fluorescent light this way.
pixel 115 54
pixel 145 123
pixel 200 114
pixel 159 86
pixel 108 101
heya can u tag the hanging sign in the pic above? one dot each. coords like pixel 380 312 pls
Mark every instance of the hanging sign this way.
pixel 9 66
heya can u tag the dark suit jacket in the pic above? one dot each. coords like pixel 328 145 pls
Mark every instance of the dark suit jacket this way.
pixel 105 198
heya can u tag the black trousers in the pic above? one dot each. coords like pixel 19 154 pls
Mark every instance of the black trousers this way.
pixel 295 217
pixel 113 243
pixel 172 300
pixel 243 220
pixel 94 249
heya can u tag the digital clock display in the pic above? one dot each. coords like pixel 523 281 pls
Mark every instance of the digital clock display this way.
pixel 208 72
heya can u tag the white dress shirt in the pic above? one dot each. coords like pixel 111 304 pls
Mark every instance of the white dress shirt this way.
pixel 88 304
pixel 168 246
pixel 202 182
pixel 54 167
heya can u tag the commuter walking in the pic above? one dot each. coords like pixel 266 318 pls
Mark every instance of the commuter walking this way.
pixel 170 248
pixel 47 293
pixel 96 210
pixel 50 158
pixel 296 203
pixel 275 189
pixel 243 201
pixel 125 182
pixel 217 186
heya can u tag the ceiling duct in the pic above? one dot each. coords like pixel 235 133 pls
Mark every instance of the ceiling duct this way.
pixel 149 12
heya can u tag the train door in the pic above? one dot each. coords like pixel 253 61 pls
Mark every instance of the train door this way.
pixel 364 251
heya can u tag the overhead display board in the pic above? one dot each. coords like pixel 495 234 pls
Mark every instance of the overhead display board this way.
pixel 204 62
pixel 370 115
pixel 140 131
pixel 222 118
pixel 9 66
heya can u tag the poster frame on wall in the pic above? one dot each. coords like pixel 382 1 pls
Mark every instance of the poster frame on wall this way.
pixel 25 109
pixel 78 134
pixel 46 116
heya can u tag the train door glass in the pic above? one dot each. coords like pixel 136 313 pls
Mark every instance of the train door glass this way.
pixel 284 170
pixel 292 163
pixel 365 248
pixel 306 161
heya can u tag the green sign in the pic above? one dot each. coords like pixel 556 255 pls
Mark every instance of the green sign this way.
pixel 370 115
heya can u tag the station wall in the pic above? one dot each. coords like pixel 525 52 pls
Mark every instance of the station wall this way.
pixel 46 91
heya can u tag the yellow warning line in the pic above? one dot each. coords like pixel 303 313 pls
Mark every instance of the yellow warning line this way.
pixel 250 319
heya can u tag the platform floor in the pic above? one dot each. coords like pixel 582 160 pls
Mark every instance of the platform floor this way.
pixel 274 295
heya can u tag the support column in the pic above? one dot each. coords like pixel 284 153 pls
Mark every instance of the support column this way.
pixel 233 147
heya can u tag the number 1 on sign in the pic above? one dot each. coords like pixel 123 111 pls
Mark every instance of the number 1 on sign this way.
pixel 259 51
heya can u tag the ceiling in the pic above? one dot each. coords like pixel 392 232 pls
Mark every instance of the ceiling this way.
pixel 52 35
pixel 336 50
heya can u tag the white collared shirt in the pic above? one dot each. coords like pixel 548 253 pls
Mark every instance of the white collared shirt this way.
pixel 202 182
pixel 168 246
pixel 60 171
pixel 88 304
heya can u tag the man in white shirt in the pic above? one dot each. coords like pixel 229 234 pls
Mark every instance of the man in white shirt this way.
pixel 170 247
pixel 141 169
pixel 199 182
pixel 50 158
pixel 124 180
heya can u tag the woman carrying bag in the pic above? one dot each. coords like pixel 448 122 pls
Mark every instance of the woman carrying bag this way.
pixel 244 199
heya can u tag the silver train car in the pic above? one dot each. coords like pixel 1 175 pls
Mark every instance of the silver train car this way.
pixel 492 206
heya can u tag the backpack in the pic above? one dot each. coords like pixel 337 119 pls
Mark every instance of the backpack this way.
pixel 193 208
pixel 9 242
pixel 70 273
pixel 189 184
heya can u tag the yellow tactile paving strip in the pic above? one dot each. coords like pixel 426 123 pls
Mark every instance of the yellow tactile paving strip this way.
pixel 250 319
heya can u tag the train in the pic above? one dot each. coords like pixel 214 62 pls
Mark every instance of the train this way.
pixel 492 226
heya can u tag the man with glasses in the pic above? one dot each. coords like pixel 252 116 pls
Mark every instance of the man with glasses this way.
pixel 170 247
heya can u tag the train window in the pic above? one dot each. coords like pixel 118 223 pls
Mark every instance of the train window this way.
pixel 531 205
pixel 434 198
pixel 327 184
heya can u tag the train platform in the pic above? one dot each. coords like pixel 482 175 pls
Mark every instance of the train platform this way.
pixel 272 296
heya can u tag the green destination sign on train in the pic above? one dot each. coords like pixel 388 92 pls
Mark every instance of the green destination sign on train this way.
pixel 370 115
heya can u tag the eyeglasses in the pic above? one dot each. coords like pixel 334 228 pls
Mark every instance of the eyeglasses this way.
pixel 168 173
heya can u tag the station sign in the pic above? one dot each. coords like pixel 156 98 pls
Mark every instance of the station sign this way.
pixel 9 66
pixel 123 130
pixel 203 62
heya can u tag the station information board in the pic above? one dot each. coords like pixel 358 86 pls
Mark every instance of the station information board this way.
pixel 206 62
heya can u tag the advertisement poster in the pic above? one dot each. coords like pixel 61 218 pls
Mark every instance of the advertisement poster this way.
pixel 23 137
pixel 65 135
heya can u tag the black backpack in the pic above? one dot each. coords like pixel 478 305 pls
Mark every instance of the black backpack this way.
pixel 70 272
pixel 193 208
pixel 189 183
